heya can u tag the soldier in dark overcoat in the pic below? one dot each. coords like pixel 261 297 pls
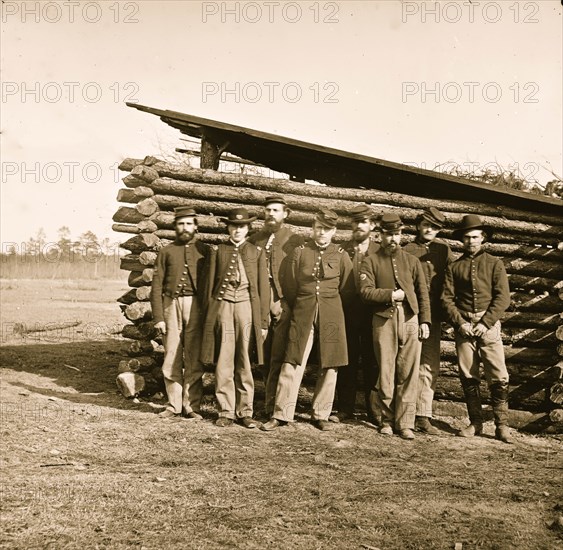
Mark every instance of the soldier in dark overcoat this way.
pixel 317 280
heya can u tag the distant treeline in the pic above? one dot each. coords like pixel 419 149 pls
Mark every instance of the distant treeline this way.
pixel 83 258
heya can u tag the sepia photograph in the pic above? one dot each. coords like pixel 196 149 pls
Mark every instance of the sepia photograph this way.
pixel 281 274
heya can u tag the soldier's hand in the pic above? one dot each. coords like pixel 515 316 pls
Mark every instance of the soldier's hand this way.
pixel 466 330
pixel 276 311
pixel 480 330
pixel 161 327
pixel 264 333
pixel 398 295
pixel 423 331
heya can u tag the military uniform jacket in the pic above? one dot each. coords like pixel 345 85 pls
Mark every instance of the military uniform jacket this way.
pixel 318 279
pixel 177 264
pixel 284 242
pixel 382 273
pixel 435 257
pixel 352 305
pixel 475 284
pixel 221 260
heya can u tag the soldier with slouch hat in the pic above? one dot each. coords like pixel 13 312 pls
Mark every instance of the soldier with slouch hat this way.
pixel 476 294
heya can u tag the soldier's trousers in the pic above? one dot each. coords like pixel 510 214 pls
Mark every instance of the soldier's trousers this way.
pixel 234 384
pixel 397 351
pixel 429 371
pixel 182 369
pixel 288 388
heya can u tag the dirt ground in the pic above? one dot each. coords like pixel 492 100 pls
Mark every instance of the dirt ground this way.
pixel 84 468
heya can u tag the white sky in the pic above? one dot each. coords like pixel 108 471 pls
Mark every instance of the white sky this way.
pixel 377 57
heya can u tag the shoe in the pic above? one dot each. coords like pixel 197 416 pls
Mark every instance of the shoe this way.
pixel 192 415
pixel 471 430
pixel 223 422
pixel 248 422
pixel 406 434
pixel 272 424
pixel 502 433
pixel 422 424
pixel 334 418
pixel 344 416
pixel 323 425
pixel 167 413
pixel 386 430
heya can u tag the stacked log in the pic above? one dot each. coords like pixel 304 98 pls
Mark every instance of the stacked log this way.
pixel 529 244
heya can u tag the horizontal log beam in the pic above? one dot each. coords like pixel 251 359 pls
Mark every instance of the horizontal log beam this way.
pixel 184 172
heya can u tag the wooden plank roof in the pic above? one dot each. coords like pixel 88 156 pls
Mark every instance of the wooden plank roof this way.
pixel 344 169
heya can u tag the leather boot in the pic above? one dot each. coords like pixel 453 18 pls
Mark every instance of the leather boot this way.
pixel 473 401
pixel 499 398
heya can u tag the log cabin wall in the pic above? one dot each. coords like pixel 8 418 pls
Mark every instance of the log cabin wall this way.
pixel 529 244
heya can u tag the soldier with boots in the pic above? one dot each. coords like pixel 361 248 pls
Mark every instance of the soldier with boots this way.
pixel 434 257
pixel 475 295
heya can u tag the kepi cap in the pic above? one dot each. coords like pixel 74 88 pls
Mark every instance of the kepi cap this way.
pixel 433 216
pixel 184 212
pixel 327 218
pixel 361 212
pixel 274 198
pixel 390 222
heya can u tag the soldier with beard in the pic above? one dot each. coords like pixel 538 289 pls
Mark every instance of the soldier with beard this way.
pixel 277 242
pixel 358 322
pixel 177 308
pixel 393 281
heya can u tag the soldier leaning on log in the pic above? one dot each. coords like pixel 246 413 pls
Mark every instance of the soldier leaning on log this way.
pixel 476 294
pixel 358 317
pixel 177 308
pixel 393 281
pixel 277 242
pixel 237 318
pixel 317 280
pixel 434 257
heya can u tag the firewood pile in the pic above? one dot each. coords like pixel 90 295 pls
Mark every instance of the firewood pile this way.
pixel 529 244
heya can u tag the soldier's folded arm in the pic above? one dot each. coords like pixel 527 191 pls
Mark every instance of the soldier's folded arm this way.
pixel 448 300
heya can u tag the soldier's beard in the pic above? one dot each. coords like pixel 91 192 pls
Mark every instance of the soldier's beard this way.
pixel 390 249
pixel 272 225
pixel 185 236
pixel 360 236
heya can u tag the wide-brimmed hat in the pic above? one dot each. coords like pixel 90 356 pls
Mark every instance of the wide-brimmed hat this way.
pixel 361 212
pixel 390 222
pixel 468 223
pixel 433 216
pixel 238 216
pixel 184 212
pixel 327 218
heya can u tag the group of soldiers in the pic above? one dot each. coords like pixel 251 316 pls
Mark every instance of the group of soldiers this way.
pixel 273 297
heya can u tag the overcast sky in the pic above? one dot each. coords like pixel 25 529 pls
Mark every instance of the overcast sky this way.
pixel 403 81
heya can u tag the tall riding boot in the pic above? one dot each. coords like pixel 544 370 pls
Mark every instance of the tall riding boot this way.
pixel 499 398
pixel 474 409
